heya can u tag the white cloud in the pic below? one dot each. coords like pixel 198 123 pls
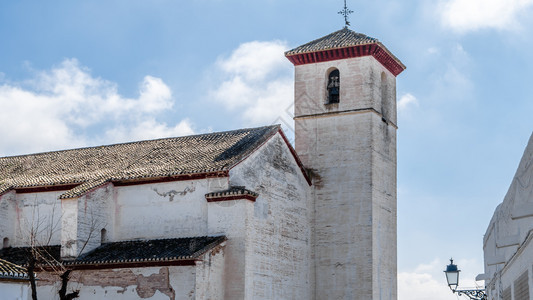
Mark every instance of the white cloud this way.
pixel 427 281
pixel 407 101
pixel 56 107
pixel 149 129
pixel 256 60
pixel 257 80
pixel 471 15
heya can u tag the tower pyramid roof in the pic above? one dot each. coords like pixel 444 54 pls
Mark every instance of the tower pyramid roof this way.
pixel 344 43
pixel 338 39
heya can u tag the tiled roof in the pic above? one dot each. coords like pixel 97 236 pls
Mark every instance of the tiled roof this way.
pixel 88 168
pixel 234 191
pixel 10 270
pixel 178 249
pixel 151 250
pixel 19 255
pixel 338 39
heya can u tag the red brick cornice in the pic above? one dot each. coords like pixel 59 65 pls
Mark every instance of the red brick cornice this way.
pixel 378 51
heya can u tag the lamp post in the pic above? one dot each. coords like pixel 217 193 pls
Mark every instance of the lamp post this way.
pixel 452 276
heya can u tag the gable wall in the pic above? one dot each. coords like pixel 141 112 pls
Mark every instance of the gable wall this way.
pixel 278 255
pixel 40 212
pixel 163 210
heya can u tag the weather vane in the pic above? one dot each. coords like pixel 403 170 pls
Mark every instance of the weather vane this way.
pixel 345 12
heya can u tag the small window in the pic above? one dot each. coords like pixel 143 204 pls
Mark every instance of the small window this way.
pixel 103 236
pixel 5 243
pixel 333 86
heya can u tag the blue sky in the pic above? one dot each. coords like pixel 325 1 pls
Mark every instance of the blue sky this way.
pixel 80 73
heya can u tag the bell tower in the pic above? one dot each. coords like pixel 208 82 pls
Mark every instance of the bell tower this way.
pixel 345 134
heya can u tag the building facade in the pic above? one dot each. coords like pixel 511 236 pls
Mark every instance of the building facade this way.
pixel 507 244
pixel 229 215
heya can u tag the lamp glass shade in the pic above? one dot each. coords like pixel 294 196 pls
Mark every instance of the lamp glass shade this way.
pixel 452 275
pixel 453 279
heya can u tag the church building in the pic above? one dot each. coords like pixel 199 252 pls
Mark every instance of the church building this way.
pixel 228 215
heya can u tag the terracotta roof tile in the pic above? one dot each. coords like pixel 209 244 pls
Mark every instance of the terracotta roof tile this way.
pixel 124 252
pixel 91 167
pixel 338 39
pixel 150 250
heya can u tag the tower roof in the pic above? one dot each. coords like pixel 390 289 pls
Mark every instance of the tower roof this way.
pixel 338 39
pixel 344 43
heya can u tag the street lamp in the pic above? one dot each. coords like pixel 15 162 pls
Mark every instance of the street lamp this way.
pixel 452 276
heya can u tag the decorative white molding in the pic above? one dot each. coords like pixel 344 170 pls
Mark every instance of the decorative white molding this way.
pixel 495 260
pixel 522 211
pixel 507 241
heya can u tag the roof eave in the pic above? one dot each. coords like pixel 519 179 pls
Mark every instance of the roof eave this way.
pixel 376 50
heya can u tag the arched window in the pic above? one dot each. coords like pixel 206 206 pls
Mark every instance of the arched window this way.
pixel 6 243
pixel 333 86
pixel 103 236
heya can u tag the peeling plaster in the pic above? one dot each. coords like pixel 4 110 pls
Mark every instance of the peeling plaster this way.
pixel 173 193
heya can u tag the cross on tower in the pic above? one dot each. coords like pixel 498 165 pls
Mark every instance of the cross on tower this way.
pixel 345 12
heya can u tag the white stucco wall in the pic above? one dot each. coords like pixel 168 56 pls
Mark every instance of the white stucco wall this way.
pixel 507 244
pixel 210 275
pixel 232 219
pixel 350 148
pixel 278 254
pixel 40 212
pixel 154 283
pixel 202 280
pixel 12 290
pixel 9 217
pixel 161 210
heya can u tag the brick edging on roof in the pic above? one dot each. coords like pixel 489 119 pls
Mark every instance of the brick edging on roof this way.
pixel 377 50
pixel 233 193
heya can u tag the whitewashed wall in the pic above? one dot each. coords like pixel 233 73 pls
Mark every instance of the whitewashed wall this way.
pixel 40 212
pixel 350 148
pixel 277 241
pixel 161 210
pixel 507 246
pixel 205 280
pixel 11 290
pixel 9 217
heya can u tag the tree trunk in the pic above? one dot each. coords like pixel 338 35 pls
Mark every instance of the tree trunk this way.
pixel 63 291
pixel 31 275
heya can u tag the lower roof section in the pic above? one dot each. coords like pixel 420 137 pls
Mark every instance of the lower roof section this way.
pixel 178 251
